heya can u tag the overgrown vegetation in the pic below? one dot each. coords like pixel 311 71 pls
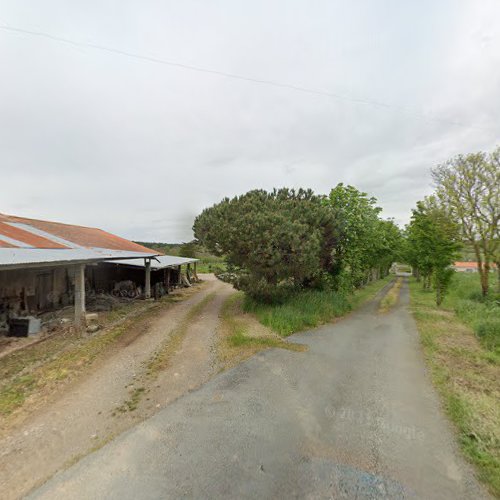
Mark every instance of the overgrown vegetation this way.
pixel 466 374
pixel 241 335
pixel 310 308
pixel 480 313
pixel 280 243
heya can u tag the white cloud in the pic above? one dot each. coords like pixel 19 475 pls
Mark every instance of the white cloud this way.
pixel 139 148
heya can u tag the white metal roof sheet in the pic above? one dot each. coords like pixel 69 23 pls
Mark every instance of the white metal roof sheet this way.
pixel 19 257
pixel 43 234
pixel 159 262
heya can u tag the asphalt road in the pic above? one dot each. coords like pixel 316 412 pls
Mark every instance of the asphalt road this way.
pixel 353 417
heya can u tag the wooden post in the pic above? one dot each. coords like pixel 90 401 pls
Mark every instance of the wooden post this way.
pixel 147 283
pixel 180 276
pixel 79 294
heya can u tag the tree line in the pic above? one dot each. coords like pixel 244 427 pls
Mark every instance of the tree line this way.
pixel 465 208
pixel 287 240
pixel 279 242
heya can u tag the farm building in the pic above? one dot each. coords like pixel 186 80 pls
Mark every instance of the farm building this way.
pixel 46 266
pixel 164 272
pixel 470 267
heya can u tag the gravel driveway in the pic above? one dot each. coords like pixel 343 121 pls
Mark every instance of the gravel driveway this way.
pixel 353 417
pixel 85 413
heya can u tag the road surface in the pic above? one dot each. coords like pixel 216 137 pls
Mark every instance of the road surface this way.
pixel 355 416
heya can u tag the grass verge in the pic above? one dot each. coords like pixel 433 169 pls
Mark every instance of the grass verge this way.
pixel 241 335
pixel 481 314
pixel 310 308
pixel 391 298
pixel 467 377
pixel 37 370
pixel 161 359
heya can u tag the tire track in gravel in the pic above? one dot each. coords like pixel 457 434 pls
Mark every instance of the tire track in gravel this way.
pixel 80 419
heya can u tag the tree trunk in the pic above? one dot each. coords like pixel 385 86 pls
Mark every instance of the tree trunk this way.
pixel 439 295
pixel 483 270
pixel 485 278
pixel 426 282
pixel 416 274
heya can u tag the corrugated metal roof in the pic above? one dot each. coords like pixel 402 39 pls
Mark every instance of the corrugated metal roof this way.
pixel 4 244
pixel 159 262
pixel 25 239
pixel 26 257
pixel 46 234
pixel 27 242
pixel 38 232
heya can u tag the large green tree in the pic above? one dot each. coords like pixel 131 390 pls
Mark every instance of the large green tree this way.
pixel 469 187
pixel 367 245
pixel 273 241
pixel 433 241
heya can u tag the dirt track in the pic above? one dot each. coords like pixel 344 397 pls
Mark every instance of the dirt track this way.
pixel 93 409
pixel 353 417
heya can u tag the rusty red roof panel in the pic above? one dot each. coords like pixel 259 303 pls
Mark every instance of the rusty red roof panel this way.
pixel 4 244
pixel 26 237
pixel 80 235
pixel 472 265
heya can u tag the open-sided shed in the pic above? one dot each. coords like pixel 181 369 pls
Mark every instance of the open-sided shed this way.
pixel 156 276
pixel 42 264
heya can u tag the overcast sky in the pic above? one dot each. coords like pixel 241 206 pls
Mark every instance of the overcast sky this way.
pixel 138 148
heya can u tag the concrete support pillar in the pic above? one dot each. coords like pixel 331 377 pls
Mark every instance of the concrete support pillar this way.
pixel 79 294
pixel 147 281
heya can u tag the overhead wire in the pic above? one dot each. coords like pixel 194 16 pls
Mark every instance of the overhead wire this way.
pixel 260 81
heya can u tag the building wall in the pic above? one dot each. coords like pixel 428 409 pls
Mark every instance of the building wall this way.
pixel 32 291
pixel 35 290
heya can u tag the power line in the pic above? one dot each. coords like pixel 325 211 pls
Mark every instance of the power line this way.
pixel 225 74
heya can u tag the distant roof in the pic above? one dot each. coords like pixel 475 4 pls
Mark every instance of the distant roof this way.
pixel 472 265
pixel 159 262
pixel 30 241
pixel 466 264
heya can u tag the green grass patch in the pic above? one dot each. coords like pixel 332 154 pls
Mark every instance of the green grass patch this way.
pixel 132 403
pixel 238 328
pixel 466 374
pixel 161 358
pixel 391 298
pixel 481 314
pixel 310 308
pixel 240 339
pixel 211 264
